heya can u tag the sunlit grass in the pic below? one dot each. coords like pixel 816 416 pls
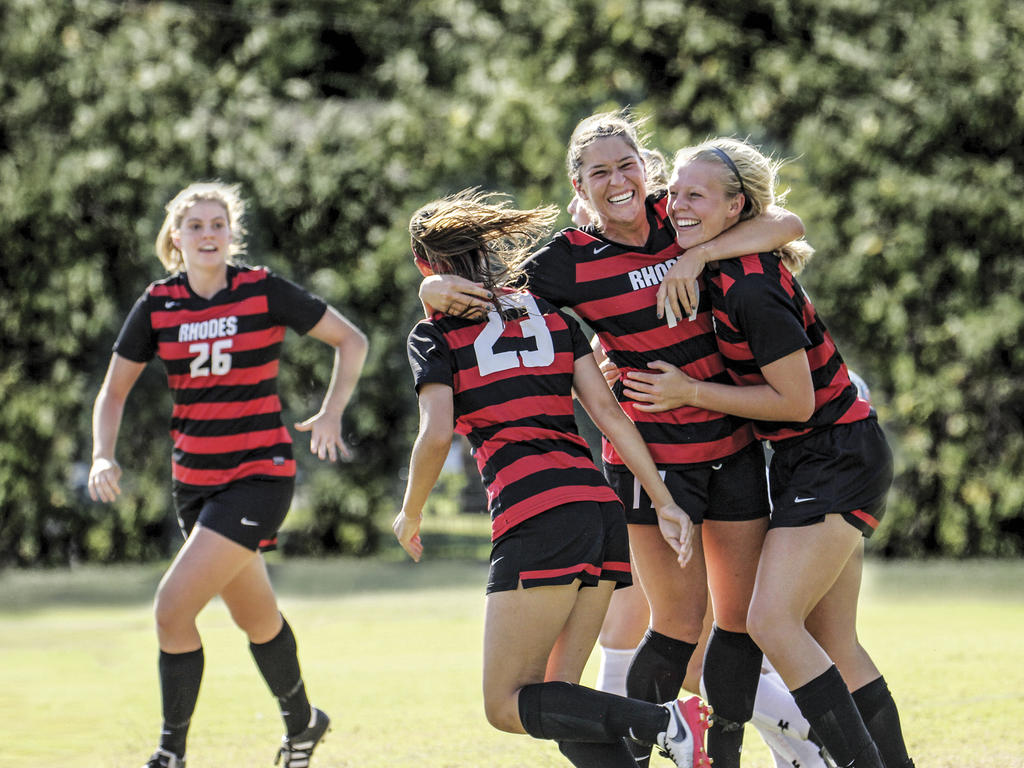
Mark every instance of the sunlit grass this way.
pixel 392 651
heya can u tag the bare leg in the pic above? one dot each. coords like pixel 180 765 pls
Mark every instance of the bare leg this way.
pixel 678 600
pixel 521 628
pixel 833 623
pixel 802 568
pixel 732 661
pixel 732 551
pixel 798 567
pixel 204 566
pixel 250 599
pixel 575 643
pixel 677 596
pixel 536 643
pixel 206 563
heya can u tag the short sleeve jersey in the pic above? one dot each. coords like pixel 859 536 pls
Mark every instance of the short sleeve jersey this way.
pixel 614 287
pixel 221 357
pixel 761 315
pixel 512 382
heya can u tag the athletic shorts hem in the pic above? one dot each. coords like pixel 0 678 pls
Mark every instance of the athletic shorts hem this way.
pixel 584 541
pixel 846 469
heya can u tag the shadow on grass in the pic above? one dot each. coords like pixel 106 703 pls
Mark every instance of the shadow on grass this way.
pixel 452 562
pixel 456 549
pixel 26 591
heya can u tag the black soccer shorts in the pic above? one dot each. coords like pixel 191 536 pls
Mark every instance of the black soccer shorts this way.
pixel 732 489
pixel 846 469
pixel 585 540
pixel 248 511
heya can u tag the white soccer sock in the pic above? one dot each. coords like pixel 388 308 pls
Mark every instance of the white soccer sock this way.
pixel 774 708
pixel 789 751
pixel 611 674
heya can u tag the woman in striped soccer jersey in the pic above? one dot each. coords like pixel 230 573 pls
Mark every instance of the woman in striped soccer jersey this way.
pixel 559 534
pixel 776 717
pixel 217 326
pixel 609 274
pixel 831 468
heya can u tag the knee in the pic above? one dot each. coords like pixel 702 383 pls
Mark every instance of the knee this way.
pixel 502 713
pixel 168 615
pixel 765 626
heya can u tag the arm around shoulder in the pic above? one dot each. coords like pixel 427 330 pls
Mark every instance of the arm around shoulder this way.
pixel 772 229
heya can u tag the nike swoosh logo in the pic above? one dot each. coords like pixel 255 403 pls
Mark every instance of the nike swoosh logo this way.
pixel 802 499
pixel 598 250
pixel 170 304
pixel 680 738
pixel 247 521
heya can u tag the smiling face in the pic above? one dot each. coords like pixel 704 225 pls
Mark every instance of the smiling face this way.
pixel 697 202
pixel 204 236
pixel 612 183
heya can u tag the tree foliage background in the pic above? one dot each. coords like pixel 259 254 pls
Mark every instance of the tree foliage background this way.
pixel 340 117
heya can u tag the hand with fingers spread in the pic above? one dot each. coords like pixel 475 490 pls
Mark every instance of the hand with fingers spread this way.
pixel 407 531
pixel 677 529
pixel 455 296
pixel 679 286
pixel 104 480
pixel 325 440
pixel 662 389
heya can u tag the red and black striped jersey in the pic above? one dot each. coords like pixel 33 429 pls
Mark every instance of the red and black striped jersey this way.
pixel 512 381
pixel 613 287
pixel 221 356
pixel 761 315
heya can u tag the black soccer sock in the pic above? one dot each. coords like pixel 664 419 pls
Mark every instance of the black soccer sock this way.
pixel 656 675
pixel 877 708
pixel 828 706
pixel 568 712
pixel 180 676
pixel 278 662
pixel 590 754
pixel 732 669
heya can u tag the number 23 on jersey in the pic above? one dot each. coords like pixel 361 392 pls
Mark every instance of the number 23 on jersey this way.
pixel 533 326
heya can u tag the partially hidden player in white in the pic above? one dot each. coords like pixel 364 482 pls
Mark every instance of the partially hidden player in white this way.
pixel 831 466
pixel 217 326
pixel 560 544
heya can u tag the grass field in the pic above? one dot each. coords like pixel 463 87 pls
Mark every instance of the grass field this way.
pixel 392 651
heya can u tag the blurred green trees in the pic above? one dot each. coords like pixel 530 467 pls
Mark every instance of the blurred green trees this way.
pixel 339 117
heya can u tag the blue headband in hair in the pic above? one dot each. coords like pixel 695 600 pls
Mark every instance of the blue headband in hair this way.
pixel 732 166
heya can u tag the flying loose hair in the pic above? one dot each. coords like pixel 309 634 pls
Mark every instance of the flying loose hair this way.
pixel 228 195
pixel 745 170
pixel 478 236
